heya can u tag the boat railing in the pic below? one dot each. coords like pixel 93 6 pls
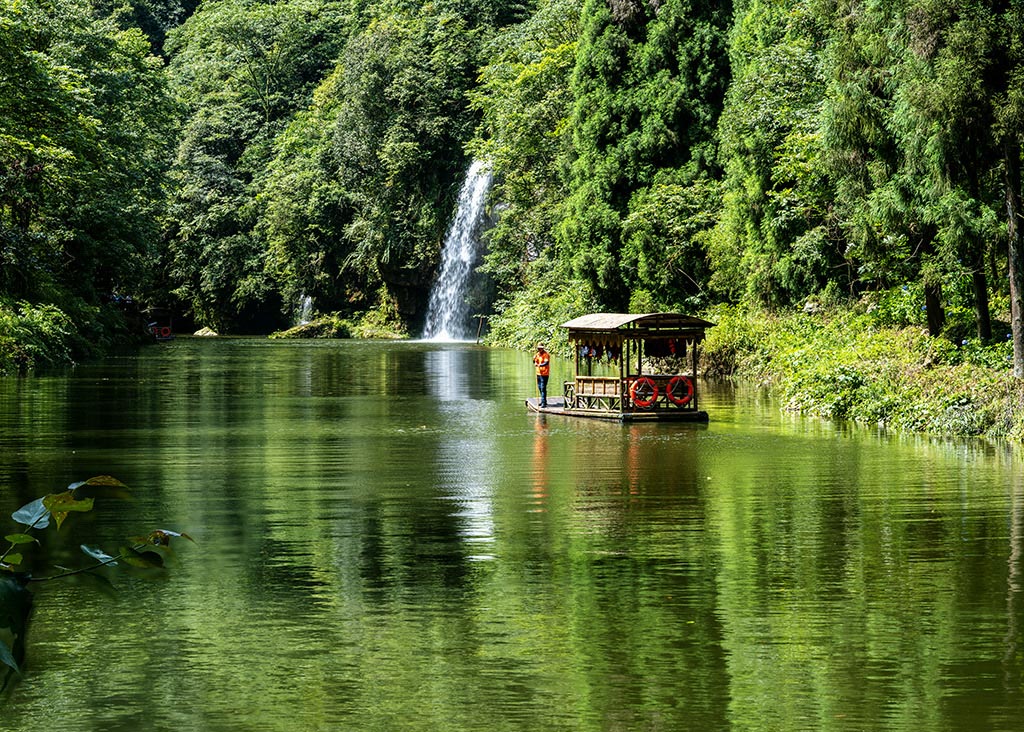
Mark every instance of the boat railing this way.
pixel 636 392
pixel 594 393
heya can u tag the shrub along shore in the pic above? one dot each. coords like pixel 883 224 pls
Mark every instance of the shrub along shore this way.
pixel 43 335
pixel 32 335
pixel 860 363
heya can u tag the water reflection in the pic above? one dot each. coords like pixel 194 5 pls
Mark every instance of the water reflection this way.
pixel 1012 657
pixel 540 476
pixel 389 541
pixel 446 373
pixel 466 449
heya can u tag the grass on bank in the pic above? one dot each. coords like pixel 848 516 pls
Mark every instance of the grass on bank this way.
pixel 854 363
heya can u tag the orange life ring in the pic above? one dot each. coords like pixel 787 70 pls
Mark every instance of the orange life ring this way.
pixel 165 332
pixel 648 386
pixel 670 390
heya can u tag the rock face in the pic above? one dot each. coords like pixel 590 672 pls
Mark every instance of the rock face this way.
pixel 205 332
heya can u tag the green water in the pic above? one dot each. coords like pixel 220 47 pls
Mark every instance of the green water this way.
pixel 388 541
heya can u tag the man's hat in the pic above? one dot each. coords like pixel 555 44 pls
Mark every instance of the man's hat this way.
pixel 540 346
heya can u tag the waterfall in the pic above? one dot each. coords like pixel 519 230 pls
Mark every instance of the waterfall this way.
pixel 305 310
pixel 448 311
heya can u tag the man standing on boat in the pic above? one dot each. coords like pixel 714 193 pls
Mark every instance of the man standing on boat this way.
pixel 542 362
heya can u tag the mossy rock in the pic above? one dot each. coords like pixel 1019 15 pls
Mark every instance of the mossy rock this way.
pixel 330 327
pixel 375 332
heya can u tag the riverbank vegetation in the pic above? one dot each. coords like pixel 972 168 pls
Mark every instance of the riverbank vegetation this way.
pixel 39 334
pixel 238 162
pixel 873 363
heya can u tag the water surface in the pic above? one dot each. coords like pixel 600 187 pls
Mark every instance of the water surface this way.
pixel 388 541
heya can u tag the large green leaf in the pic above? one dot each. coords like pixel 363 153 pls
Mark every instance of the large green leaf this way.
pixel 34 515
pixel 99 555
pixel 60 504
pixel 96 581
pixel 21 539
pixel 141 560
pixel 100 486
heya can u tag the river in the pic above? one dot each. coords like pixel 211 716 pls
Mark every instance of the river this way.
pixel 387 540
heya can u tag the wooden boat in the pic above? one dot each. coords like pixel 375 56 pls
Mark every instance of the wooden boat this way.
pixel 160 324
pixel 626 341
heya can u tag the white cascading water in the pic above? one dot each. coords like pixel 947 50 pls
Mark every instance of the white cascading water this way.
pixel 305 310
pixel 448 312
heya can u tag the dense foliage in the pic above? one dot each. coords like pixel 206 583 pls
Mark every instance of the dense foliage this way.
pixel 86 123
pixel 236 160
pixel 858 364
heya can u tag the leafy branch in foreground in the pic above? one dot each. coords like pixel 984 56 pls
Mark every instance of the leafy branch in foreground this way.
pixel 143 552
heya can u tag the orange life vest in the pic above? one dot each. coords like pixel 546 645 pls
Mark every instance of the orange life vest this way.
pixel 543 363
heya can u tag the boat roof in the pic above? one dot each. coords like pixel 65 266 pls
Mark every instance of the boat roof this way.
pixel 663 324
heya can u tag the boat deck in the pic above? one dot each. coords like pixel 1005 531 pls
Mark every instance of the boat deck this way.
pixel 556 405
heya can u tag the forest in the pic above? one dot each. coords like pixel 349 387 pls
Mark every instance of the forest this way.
pixel 227 159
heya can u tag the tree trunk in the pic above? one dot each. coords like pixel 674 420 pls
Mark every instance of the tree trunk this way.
pixel 1011 153
pixel 933 308
pixel 981 314
pixel 932 286
pixel 982 317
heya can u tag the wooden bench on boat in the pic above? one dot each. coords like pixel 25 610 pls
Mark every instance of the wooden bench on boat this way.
pixel 626 340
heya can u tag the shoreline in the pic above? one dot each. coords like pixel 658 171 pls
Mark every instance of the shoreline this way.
pixel 843 364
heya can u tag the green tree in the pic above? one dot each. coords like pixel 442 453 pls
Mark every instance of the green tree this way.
pixel 910 132
pixel 861 151
pixel 305 212
pixel 943 116
pixel 776 241
pixel 885 203
pixel 665 237
pixel 155 18
pixel 648 88
pixel 85 124
pixel 364 182
pixel 241 69
pixel 525 100
pixel 1010 139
